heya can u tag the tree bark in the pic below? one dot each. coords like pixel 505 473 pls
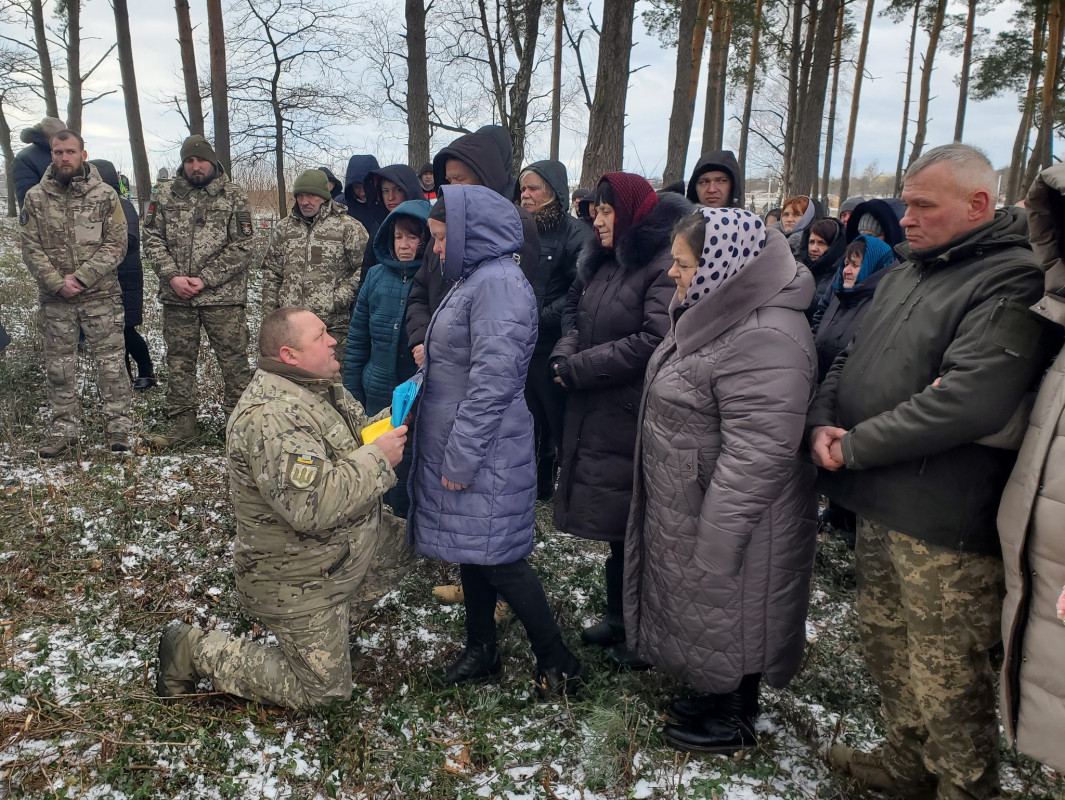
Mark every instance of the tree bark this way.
pixel 680 118
pixel 524 36
pixel 418 135
pixel 1014 183
pixel 605 149
pixel 795 93
pixel 1043 150
pixel 906 99
pixel 966 68
pixel 808 139
pixel 714 116
pixel 926 81
pixel 220 89
pixel 141 172
pixel 188 67
pixel 9 161
pixel 748 100
pixel 833 95
pixel 40 38
pixel 556 83
pixel 852 127
pixel 74 96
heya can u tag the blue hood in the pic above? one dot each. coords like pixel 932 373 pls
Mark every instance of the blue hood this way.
pixel 481 225
pixel 358 168
pixel 382 242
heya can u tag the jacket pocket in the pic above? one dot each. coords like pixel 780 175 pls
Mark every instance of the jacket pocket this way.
pixel 691 486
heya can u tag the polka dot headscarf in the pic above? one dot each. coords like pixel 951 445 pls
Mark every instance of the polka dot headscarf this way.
pixel 733 237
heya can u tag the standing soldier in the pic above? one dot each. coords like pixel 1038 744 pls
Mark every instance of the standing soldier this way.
pixel 198 238
pixel 314 257
pixel 73 238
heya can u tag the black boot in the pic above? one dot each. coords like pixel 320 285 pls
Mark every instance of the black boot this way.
pixel 688 709
pixel 563 678
pixel 624 658
pixel 479 663
pixel 728 729
pixel 545 476
pixel 607 632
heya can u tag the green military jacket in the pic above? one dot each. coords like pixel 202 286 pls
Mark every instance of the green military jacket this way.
pixel 306 493
pixel 200 232
pixel 315 264
pixel 77 229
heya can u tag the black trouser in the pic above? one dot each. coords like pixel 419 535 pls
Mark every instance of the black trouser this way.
pixel 547 404
pixel 519 585
pixel 137 349
pixel 615 580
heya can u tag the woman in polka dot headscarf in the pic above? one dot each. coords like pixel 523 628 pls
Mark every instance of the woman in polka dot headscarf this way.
pixel 720 541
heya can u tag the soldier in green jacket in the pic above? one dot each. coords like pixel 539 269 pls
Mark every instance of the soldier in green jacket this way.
pixel 73 235
pixel 315 256
pixel 313 537
pixel 198 239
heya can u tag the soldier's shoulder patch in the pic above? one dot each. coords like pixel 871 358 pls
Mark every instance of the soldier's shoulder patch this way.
pixel 149 218
pixel 244 220
pixel 303 471
pixel 24 216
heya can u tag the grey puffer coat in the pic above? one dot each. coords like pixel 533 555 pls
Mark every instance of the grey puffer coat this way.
pixel 720 541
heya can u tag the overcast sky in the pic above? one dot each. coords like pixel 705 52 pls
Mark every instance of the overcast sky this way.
pixel 990 125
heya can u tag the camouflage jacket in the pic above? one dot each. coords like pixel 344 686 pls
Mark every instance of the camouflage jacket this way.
pixel 200 232
pixel 306 493
pixel 79 228
pixel 315 264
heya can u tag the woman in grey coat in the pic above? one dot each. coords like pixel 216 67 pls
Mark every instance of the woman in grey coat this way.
pixel 720 541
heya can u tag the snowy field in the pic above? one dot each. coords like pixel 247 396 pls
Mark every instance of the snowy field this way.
pixel 99 552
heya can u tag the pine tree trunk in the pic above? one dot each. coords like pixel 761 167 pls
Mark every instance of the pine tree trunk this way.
pixel 966 67
pixel 1043 150
pixel 188 67
pixel 794 59
pixel 141 172
pixel 220 88
pixel 1014 184
pixel 40 39
pixel 906 99
pixel 9 161
pixel 418 134
pixel 852 127
pixel 748 100
pixel 713 117
pixel 680 118
pixel 74 97
pixel 926 81
pixel 605 149
pixel 808 141
pixel 834 94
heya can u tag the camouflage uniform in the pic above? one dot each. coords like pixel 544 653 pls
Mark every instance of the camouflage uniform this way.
pixel 315 264
pixel 313 538
pixel 928 616
pixel 202 232
pixel 79 229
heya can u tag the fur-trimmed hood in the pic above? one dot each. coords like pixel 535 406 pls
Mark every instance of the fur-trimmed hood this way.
pixel 638 245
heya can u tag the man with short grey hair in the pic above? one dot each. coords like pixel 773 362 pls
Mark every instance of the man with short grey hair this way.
pixel 904 429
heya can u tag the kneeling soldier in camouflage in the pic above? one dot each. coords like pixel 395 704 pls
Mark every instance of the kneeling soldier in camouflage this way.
pixel 73 239
pixel 313 536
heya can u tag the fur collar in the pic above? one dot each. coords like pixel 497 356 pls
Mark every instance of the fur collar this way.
pixel 639 244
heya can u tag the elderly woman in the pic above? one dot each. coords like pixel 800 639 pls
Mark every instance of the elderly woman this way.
pixel 720 541
pixel 617 317
pixel 473 481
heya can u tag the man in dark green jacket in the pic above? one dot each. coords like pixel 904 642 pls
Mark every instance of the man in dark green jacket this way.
pixel 903 429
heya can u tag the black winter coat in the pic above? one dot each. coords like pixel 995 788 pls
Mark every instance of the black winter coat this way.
pixel 841 320
pixel 825 268
pixel 130 270
pixel 29 166
pixel 622 300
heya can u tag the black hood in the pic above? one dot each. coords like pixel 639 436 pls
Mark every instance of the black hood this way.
pixel 827 263
pixel 400 174
pixel 108 173
pixel 554 172
pixel 338 191
pixel 887 212
pixel 724 161
pixel 358 168
pixel 480 153
pixel 500 137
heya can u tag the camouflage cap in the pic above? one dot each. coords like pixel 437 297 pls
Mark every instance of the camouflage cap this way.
pixel 198 146
pixel 312 181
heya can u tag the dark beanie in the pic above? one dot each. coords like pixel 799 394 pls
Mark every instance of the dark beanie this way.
pixel 631 196
pixel 427 167
pixel 198 146
pixel 312 181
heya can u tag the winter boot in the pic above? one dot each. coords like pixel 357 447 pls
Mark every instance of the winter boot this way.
pixel 118 442
pixel 688 709
pixel 623 657
pixel 609 631
pixel 55 446
pixel 546 469
pixel 727 729
pixel 866 768
pixel 449 594
pixel 558 680
pixel 479 663
pixel 183 433
pixel 177 672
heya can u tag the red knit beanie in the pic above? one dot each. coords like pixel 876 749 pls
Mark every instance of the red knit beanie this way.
pixel 631 196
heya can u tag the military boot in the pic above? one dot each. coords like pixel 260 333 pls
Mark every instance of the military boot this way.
pixel 177 672
pixel 55 446
pixel 183 433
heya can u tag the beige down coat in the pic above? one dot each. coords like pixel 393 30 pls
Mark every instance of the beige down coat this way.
pixel 720 541
pixel 1031 522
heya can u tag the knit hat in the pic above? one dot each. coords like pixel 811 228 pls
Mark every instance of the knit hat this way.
pixel 198 146
pixel 631 196
pixel 871 225
pixel 851 203
pixel 312 181
pixel 733 237
pixel 427 167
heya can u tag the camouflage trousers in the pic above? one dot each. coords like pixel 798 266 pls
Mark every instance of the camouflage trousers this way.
pixel 227 331
pixel 311 664
pixel 102 320
pixel 927 618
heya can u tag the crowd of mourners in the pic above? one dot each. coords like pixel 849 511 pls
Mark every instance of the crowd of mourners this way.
pixel 679 377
